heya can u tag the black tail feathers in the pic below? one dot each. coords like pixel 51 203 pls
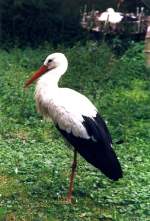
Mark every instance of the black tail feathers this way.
pixel 104 160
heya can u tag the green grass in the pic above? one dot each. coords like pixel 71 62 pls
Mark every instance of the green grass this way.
pixel 119 87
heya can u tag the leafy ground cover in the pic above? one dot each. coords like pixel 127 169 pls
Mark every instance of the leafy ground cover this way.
pixel 34 160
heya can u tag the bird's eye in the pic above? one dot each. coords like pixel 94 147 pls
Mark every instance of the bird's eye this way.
pixel 50 60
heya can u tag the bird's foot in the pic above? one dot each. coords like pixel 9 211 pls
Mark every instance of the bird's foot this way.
pixel 68 199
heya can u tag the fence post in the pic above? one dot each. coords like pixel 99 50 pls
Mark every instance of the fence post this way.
pixel 147 43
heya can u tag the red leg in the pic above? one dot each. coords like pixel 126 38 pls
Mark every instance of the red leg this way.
pixel 74 165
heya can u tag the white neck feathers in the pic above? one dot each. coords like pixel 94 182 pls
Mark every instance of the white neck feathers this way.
pixel 47 86
pixel 51 77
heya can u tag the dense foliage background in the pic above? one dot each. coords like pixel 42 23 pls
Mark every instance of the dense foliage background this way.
pixel 31 22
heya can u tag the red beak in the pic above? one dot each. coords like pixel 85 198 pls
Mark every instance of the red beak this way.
pixel 36 75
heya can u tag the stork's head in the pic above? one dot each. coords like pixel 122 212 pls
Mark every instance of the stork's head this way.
pixel 53 61
pixel 110 10
pixel 56 60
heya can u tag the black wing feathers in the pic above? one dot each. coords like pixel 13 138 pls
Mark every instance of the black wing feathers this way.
pixel 97 128
pixel 97 150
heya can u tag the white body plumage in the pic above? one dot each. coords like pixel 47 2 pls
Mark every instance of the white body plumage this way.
pixel 111 16
pixel 63 105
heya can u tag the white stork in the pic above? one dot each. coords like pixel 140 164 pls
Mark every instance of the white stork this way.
pixel 76 118
pixel 111 17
